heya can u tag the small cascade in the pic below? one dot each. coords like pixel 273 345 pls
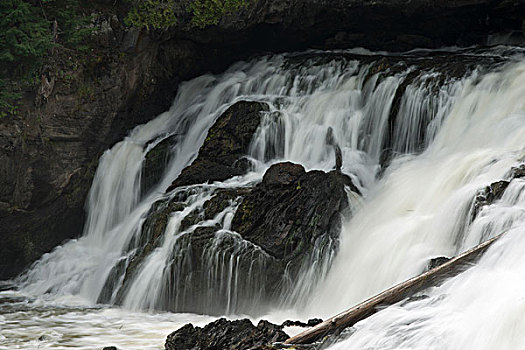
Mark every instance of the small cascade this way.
pixel 478 309
pixel 146 248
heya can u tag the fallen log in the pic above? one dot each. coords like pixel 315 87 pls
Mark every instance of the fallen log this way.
pixel 391 296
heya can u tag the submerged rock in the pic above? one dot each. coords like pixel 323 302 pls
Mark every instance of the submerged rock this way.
pixel 435 262
pixel 224 334
pixel 489 195
pixel 495 190
pixel 310 323
pixel 227 142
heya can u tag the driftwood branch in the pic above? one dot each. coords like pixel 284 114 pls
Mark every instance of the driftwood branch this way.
pixel 391 296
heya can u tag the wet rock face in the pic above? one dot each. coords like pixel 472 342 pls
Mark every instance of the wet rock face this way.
pixel 495 191
pixel 275 230
pixel 223 334
pixel 435 262
pixel 228 140
pixel 291 208
pixel 155 163
pixel 489 195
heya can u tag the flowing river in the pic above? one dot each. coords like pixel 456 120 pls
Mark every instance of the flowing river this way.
pixel 421 134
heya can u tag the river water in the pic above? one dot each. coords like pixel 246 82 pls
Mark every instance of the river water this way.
pixel 452 135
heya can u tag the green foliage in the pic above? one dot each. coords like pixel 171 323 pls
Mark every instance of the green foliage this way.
pixel 210 12
pixel 27 35
pixel 24 37
pixel 160 14
pixel 73 25
pixel 157 14
pixel 7 100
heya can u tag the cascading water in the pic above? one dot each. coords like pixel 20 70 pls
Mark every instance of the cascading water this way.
pixel 480 141
pixel 443 136
pixel 309 96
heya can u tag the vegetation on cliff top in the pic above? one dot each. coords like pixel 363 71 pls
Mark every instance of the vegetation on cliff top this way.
pixel 161 14
pixel 31 29
pixel 152 14
pixel 28 31
pixel 210 12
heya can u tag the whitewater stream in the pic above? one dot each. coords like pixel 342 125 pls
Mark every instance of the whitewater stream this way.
pixel 420 138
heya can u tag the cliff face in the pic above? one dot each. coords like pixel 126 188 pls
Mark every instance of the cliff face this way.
pixel 86 102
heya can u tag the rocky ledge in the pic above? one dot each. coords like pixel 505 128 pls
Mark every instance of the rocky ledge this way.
pixel 224 334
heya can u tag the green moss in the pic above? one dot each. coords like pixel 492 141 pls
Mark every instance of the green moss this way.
pixel 211 135
pixel 247 209
pixel 152 14
pixel 210 12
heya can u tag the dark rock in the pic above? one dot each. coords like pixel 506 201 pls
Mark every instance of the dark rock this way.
pixel 227 142
pixel 291 208
pixel 195 290
pixel 150 238
pixel 311 323
pixel 517 172
pixel 435 262
pixel 314 322
pixel 283 174
pixel 495 191
pixel 488 195
pixel 445 66
pixel 224 334
pixel 277 225
pixel 110 348
pixel 155 163
pixel 221 200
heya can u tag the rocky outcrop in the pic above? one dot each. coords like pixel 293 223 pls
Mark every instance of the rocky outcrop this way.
pixel 290 209
pixel 224 334
pixel 495 191
pixel 279 226
pixel 227 142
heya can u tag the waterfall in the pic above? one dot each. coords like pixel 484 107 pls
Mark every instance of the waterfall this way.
pixel 417 140
pixel 481 140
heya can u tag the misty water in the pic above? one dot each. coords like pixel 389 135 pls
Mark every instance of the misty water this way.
pixel 453 135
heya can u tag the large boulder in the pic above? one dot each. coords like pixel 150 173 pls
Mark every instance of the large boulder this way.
pixel 224 334
pixel 291 209
pixel 227 142
pixel 218 269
